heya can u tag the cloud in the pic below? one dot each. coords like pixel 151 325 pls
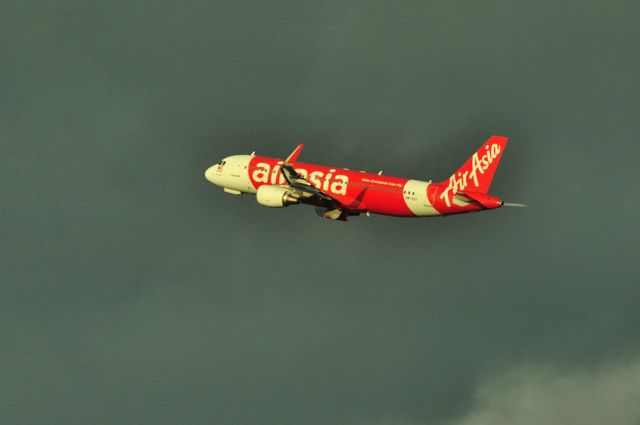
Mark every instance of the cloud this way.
pixel 548 395
pixel 133 291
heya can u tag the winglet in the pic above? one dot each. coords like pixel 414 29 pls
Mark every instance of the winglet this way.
pixel 294 155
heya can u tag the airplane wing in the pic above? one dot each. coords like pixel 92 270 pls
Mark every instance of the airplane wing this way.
pixel 326 205
pixel 294 155
pixel 298 182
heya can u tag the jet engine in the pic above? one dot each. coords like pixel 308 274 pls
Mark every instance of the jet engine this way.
pixel 275 196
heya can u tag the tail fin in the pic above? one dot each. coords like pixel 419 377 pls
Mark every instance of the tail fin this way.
pixel 476 174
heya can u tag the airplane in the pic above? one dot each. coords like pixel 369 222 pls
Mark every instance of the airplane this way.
pixel 339 193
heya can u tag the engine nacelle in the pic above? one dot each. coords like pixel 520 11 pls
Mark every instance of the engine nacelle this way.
pixel 275 196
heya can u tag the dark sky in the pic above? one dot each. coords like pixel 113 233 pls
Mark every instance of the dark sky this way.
pixel 135 292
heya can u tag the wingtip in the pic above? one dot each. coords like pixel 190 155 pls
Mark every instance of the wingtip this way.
pixel 294 155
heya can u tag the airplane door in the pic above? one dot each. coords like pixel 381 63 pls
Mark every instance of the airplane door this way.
pixel 237 169
pixel 417 197
pixel 432 191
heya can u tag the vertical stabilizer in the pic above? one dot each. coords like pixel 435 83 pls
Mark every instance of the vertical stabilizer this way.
pixel 476 174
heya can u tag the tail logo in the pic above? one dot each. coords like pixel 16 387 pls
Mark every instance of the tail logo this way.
pixel 479 164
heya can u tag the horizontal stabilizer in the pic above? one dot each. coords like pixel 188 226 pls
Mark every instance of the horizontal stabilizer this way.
pixel 482 200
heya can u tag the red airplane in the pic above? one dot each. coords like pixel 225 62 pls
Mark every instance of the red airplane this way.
pixel 338 193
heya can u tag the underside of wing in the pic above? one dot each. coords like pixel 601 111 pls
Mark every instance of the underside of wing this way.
pixel 299 183
pixel 326 205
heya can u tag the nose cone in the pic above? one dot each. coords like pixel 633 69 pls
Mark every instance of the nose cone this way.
pixel 210 174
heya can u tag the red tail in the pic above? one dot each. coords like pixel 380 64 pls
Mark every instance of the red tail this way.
pixel 476 174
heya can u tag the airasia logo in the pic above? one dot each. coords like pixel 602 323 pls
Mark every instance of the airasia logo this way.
pixel 479 164
pixel 336 184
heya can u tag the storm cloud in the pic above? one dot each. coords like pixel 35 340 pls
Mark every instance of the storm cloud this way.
pixel 134 291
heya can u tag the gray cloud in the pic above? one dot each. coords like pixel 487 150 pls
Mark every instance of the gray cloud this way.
pixel 132 291
pixel 533 395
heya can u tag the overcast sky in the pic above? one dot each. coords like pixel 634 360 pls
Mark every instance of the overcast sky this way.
pixel 132 291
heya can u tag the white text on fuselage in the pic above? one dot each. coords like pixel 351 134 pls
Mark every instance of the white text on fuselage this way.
pixel 460 180
pixel 329 182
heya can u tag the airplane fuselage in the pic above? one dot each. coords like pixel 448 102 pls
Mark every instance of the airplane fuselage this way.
pixel 359 191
